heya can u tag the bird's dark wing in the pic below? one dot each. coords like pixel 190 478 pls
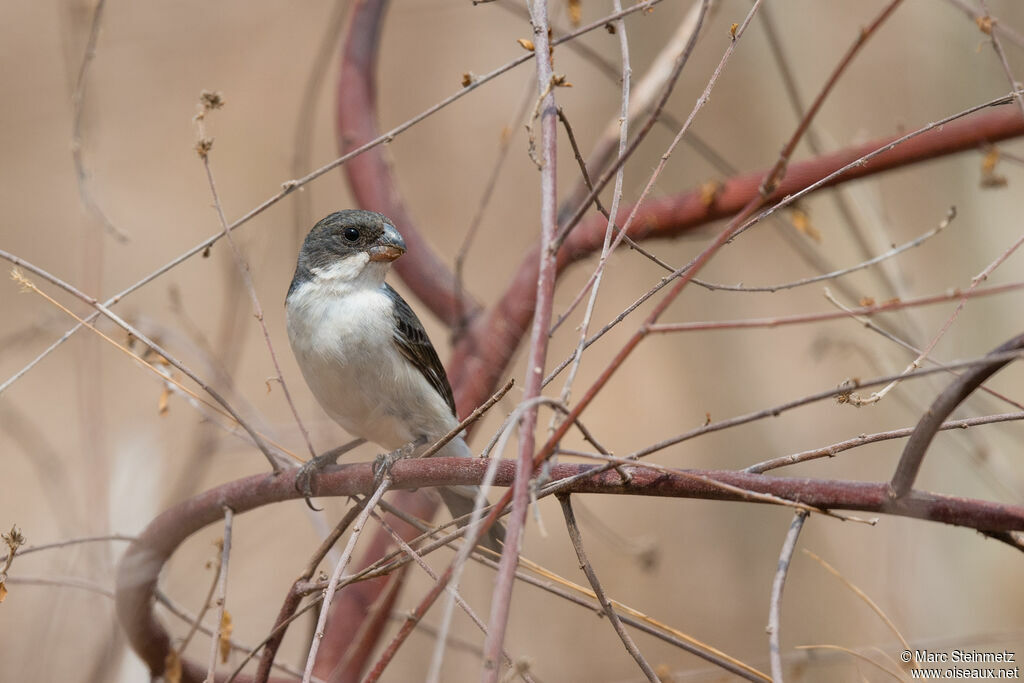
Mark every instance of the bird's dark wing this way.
pixel 414 344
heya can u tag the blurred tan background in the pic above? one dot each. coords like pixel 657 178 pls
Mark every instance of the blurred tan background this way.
pixel 86 452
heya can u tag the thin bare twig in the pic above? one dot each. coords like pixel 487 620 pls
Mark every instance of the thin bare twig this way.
pixel 845 211
pixel 577 542
pixel 470 419
pixel 274 633
pixel 209 102
pixel 183 614
pixel 357 528
pixel 802 318
pixel 257 438
pixel 894 251
pixel 862 595
pixel 987 21
pixel 998 26
pixel 771 181
pixel 62 582
pixel 864 439
pixel 866 322
pixel 975 281
pixel 504 144
pixel 207 601
pixel 896 675
pixel 77 114
pixel 28 549
pixel 613 211
pixel 778 583
pixel 681 60
pixel 648 95
pixel 505 581
pixel 304 120
pixel 222 594
pixel 588 183
pixel 839 393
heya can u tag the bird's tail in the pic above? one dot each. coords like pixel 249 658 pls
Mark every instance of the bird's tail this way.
pixel 460 501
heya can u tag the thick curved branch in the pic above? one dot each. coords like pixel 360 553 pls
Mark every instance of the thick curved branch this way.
pixel 139 569
pixel 369 174
pixel 930 424
pixel 482 355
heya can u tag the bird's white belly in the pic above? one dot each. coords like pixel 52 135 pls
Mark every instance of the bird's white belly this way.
pixel 348 356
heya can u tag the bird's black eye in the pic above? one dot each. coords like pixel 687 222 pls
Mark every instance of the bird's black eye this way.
pixel 351 234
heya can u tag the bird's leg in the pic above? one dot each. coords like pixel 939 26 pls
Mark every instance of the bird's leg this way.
pixel 383 463
pixel 314 466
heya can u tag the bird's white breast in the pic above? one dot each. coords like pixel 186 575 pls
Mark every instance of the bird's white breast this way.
pixel 343 337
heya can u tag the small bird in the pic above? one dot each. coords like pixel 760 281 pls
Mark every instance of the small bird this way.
pixel 363 351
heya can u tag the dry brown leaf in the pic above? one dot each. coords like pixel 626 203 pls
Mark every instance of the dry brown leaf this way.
pixel 575 12
pixel 224 640
pixel 984 24
pixel 991 158
pixel 866 301
pixel 172 667
pixel 164 405
pixel 709 192
pixel 802 222
pixel 989 177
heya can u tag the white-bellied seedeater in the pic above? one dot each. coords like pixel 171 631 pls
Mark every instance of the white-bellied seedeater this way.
pixel 362 350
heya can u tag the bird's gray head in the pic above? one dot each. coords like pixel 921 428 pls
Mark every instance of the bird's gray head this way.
pixel 347 246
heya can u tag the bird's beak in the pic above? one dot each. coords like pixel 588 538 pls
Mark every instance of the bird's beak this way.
pixel 390 246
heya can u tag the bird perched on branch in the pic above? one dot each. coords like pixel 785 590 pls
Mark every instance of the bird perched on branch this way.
pixel 365 354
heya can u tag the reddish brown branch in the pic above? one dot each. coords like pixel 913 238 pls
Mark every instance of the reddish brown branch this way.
pixel 481 356
pixel 544 291
pixel 141 565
